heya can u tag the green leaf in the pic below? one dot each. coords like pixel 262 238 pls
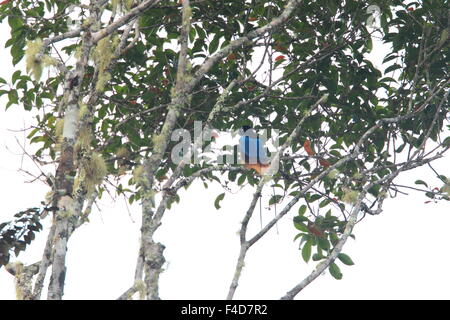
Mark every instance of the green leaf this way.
pixel 218 199
pixel 334 238
pixel 446 142
pixel 17 53
pixel 314 197
pixel 241 179
pixel 15 22
pixel 421 182
pixel 232 175
pixel 299 225
pixel 300 219
pixel 335 271
pixel 15 76
pixel 444 37
pixel 192 34
pixel 392 68
pixel 317 257
pixel 324 203
pixel 369 45
pixel 345 259
pixel 275 199
pixel 430 195
pixel 214 44
pixel 390 57
pixel 323 244
pixel 306 251
pixel 32 133
pixel 335 153
pixel 298 235
pixel 302 210
pixel 13 96
pixel 200 32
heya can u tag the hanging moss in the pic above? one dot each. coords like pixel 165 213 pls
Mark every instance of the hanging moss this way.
pixel 141 288
pixel 59 127
pixel 78 53
pixel 138 175
pixel 187 16
pixel 115 6
pixel 122 152
pixel 33 62
pixel 85 133
pixel 84 139
pixel 122 5
pixel 77 183
pixel 350 196
pixel 357 176
pixel 173 92
pixel 95 171
pixel 36 60
pixel 102 80
pixel 48 61
pixel 333 174
pixel 84 112
pixel 102 55
pixel 157 140
pixel 66 207
pixel 128 4
pixel 88 22
pixel 19 275
pixel 104 51
pixel 49 196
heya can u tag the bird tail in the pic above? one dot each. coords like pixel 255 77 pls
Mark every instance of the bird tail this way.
pixel 260 168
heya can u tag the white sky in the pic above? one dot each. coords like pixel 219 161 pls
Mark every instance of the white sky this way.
pixel 403 253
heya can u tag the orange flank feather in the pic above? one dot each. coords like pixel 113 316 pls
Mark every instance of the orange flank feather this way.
pixel 258 167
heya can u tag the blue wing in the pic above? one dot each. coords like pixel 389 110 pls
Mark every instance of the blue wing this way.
pixel 252 150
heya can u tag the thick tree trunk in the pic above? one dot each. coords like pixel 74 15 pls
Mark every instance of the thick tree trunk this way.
pixel 68 207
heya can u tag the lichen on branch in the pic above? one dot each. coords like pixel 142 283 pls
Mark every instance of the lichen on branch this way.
pixel 102 55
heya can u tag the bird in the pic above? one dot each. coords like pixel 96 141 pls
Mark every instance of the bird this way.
pixel 252 150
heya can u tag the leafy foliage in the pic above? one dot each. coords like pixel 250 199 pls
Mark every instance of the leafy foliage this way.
pixel 322 49
pixel 16 235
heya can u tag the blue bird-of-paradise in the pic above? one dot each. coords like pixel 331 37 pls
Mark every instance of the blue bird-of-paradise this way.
pixel 252 150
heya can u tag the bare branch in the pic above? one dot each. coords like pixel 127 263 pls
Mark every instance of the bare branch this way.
pixel 44 263
pixel 333 255
pixel 133 13
pixel 245 245
pixel 322 266
pixel 153 252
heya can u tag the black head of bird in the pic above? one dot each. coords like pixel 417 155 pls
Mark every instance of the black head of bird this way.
pixel 247 131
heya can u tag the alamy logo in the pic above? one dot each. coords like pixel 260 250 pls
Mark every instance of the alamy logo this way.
pixel 72 24
pixel 254 147
pixel 374 12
